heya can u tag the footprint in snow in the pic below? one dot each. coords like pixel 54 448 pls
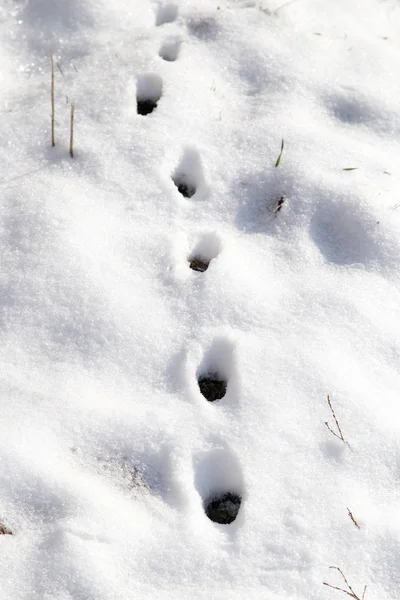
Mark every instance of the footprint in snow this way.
pixel 148 93
pixel 205 251
pixel 169 50
pixel 166 14
pixel 345 231
pixel 216 369
pixel 188 177
pixel 206 29
pixel 219 482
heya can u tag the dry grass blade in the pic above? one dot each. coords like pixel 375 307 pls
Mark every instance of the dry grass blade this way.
pixel 353 518
pixel 4 530
pixel 350 592
pixel 284 6
pixel 278 160
pixel 71 133
pixel 365 589
pixel 267 11
pixel 53 143
pixel 278 206
pixel 340 434
pixel 333 587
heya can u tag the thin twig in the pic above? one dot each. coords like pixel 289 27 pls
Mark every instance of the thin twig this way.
pixel 278 205
pixel 365 589
pixel 352 518
pixel 283 6
pixel 278 160
pixel 340 436
pixel 71 133
pixel 53 143
pixel 60 69
pixel 4 530
pixel 351 592
pixel 333 587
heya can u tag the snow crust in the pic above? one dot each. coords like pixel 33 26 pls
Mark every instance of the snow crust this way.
pixel 108 450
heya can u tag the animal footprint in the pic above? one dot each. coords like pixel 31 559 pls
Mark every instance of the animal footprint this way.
pixel 166 14
pixel 206 250
pixel 215 370
pixel 169 50
pixel 219 482
pixel 188 176
pixel 148 93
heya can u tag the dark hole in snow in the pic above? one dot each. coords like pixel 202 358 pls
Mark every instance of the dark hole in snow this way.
pixel 223 508
pixel 198 264
pixel 186 190
pixel 145 107
pixel 184 187
pixel 212 387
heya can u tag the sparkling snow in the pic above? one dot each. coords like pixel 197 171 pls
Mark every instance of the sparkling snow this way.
pixel 109 452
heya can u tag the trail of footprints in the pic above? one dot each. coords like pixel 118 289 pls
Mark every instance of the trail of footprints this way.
pixel 221 506
pixel 219 467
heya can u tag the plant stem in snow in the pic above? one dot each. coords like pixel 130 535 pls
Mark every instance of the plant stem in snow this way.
pixel 278 160
pixel 353 518
pixel 53 143
pixel 71 133
pixel 4 530
pixel 340 435
pixel 350 591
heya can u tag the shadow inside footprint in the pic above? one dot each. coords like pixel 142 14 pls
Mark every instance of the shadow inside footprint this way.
pixel 198 264
pixel 184 187
pixel 212 387
pixel 223 508
pixel 145 107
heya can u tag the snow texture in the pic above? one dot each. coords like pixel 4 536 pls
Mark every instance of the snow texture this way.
pixel 109 452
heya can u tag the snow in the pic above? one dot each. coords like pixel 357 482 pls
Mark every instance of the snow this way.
pixel 109 453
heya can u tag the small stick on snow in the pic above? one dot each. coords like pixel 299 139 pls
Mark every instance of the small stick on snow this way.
pixel 284 6
pixel 352 518
pixel 71 133
pixel 4 530
pixel 53 143
pixel 351 592
pixel 278 205
pixel 278 160
pixel 270 12
pixel 340 436
pixel 60 69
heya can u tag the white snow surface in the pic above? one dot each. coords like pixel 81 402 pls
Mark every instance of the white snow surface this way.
pixel 108 450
